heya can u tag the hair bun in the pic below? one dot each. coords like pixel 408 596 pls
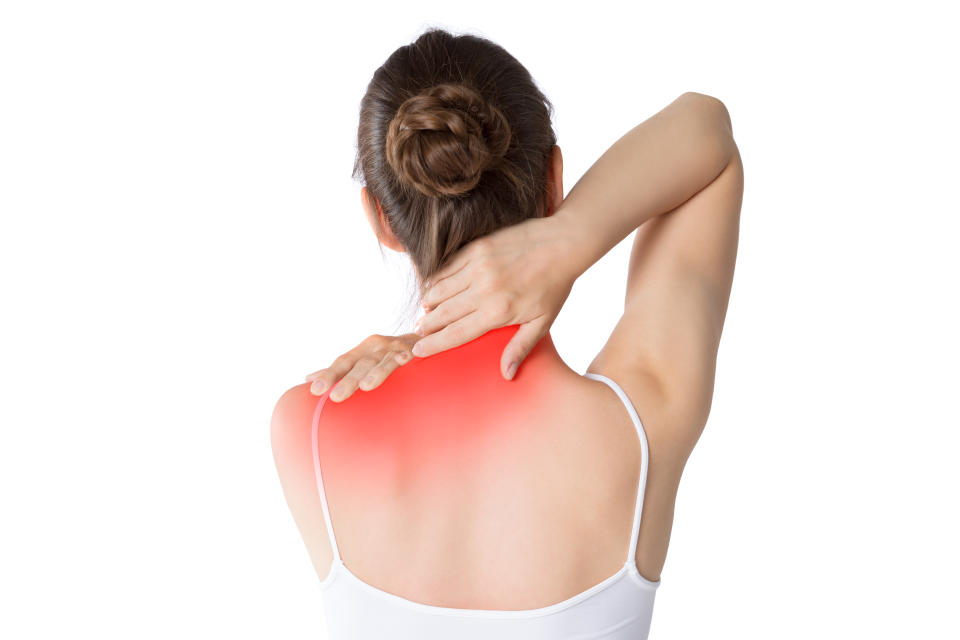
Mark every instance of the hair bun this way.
pixel 442 140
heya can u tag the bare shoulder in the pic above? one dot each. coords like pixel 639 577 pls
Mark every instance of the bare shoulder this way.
pixel 665 429
pixel 292 418
pixel 291 439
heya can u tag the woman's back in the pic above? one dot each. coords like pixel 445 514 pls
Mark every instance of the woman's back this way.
pixel 452 486
pixel 509 508
pixel 449 487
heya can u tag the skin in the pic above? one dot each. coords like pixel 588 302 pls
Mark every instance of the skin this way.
pixel 676 180
pixel 369 364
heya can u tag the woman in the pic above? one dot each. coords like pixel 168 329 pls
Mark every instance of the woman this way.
pixel 462 496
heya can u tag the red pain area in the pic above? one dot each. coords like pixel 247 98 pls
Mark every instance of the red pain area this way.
pixel 448 420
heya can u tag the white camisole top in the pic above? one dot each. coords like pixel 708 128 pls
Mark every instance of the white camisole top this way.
pixel 618 608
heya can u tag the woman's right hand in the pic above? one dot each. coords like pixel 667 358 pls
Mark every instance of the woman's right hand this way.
pixel 521 274
pixel 365 366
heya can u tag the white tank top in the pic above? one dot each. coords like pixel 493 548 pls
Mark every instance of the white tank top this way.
pixel 618 608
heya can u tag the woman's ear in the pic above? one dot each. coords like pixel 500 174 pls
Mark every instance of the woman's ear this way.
pixel 378 221
pixel 555 180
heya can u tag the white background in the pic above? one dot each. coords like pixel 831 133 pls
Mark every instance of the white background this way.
pixel 182 241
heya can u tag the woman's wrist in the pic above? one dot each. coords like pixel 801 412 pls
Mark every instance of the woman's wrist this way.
pixel 677 151
pixel 579 242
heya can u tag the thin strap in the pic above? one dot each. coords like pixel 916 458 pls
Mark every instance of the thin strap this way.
pixel 319 476
pixel 644 461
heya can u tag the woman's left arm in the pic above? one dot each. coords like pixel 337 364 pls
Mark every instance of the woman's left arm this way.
pixel 365 366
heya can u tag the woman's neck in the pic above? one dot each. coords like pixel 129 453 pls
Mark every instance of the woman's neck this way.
pixel 482 355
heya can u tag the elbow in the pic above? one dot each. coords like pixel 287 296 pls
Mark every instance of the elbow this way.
pixel 713 108
pixel 712 102
pixel 713 122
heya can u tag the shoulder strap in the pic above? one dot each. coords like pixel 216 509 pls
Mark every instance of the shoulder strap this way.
pixel 644 460
pixel 319 476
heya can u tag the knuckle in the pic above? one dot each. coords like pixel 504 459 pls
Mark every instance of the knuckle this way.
pixel 342 360
pixel 500 306
pixel 366 361
pixel 375 341
pixel 397 345
pixel 455 332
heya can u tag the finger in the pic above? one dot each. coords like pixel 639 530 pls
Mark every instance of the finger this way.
pixel 319 385
pixel 520 345
pixel 446 312
pixel 438 291
pixel 387 365
pixel 400 348
pixel 349 383
pixel 453 335
pixel 325 378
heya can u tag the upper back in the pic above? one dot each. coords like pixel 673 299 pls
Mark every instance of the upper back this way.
pixel 451 487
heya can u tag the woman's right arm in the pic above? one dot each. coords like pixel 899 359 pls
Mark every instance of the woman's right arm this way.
pixel 653 169
pixel 681 180
pixel 675 179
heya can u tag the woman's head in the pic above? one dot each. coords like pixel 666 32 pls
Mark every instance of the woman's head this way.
pixel 455 141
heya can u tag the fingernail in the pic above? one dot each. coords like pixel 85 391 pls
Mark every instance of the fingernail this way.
pixel 336 394
pixel 417 350
pixel 511 370
pixel 365 383
pixel 418 328
pixel 318 387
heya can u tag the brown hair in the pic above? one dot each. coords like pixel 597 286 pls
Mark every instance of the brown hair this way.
pixel 454 142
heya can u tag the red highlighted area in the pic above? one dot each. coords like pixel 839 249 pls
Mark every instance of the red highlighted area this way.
pixel 446 414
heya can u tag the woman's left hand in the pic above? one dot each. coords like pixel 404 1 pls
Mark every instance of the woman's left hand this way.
pixel 364 367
